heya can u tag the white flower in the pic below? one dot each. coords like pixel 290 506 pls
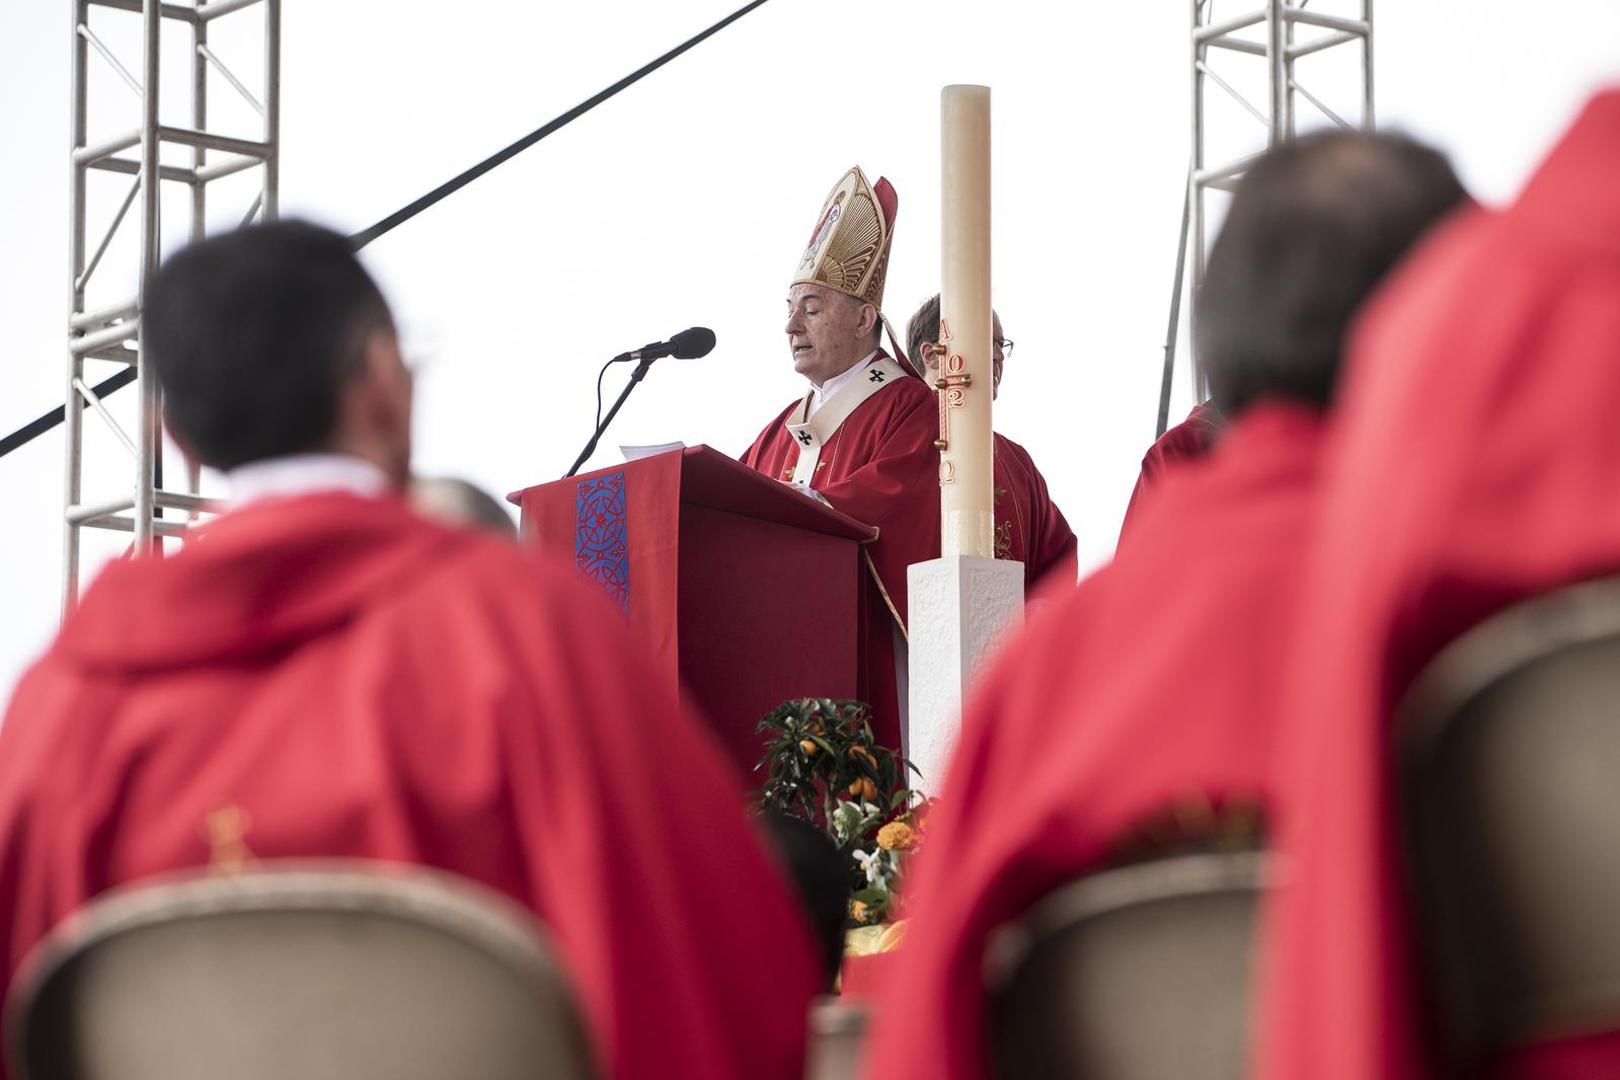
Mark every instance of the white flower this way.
pixel 871 863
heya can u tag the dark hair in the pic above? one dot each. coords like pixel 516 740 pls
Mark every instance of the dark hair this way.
pixel 820 879
pixel 923 329
pixel 1314 225
pixel 253 335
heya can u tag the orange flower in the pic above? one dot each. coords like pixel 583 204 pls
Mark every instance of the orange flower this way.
pixel 857 911
pixel 896 836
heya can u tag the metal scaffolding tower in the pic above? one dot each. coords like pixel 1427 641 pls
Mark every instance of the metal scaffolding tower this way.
pixel 110 333
pixel 1280 34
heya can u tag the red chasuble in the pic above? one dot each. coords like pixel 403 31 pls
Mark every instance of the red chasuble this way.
pixel 334 676
pixel 1187 441
pixel 880 467
pixel 1029 526
pixel 1152 687
pixel 1476 466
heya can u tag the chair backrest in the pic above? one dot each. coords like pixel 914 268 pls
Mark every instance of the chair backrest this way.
pixel 1136 973
pixel 837 1042
pixel 310 971
pixel 1510 799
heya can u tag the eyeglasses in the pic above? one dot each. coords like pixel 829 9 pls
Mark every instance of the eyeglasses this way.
pixel 1004 344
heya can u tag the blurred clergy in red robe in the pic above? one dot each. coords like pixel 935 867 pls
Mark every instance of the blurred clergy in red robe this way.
pixel 1476 464
pixel 1189 440
pixel 862 437
pixel 1029 526
pixel 1137 716
pixel 323 672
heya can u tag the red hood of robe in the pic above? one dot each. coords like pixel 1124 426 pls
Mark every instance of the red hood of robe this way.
pixel 256 581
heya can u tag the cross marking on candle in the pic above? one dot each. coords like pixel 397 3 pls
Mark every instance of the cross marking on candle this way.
pixel 952 385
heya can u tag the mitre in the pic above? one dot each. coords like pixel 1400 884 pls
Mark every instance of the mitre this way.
pixel 849 249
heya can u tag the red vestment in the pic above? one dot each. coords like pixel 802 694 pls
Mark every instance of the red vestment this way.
pixel 1152 685
pixel 1187 441
pixel 1029 525
pixel 879 467
pixel 335 676
pixel 1473 465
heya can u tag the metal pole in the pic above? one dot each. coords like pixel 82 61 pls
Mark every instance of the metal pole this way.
pixel 1288 77
pixel 269 205
pixel 146 460
pixel 1367 120
pixel 199 186
pixel 74 404
pixel 199 121
pixel 1195 194
pixel 1174 328
pixel 1276 60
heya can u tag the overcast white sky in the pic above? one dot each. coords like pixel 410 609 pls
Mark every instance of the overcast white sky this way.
pixel 687 200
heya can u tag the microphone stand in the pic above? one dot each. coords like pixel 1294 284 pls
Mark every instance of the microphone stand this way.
pixel 590 447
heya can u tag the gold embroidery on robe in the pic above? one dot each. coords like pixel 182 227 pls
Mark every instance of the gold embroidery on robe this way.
pixel 225 830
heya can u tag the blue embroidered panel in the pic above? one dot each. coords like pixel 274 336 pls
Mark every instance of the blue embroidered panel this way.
pixel 602 536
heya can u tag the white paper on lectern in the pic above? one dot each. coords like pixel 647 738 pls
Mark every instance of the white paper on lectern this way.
pixel 636 453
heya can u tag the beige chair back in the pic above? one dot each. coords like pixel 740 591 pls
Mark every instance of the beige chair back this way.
pixel 837 1040
pixel 325 971
pixel 1137 973
pixel 1510 789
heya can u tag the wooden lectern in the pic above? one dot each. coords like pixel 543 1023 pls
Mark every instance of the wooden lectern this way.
pixel 745 591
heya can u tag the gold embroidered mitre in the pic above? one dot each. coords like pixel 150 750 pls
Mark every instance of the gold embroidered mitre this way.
pixel 849 249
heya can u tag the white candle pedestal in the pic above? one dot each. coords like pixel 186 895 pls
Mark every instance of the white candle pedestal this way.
pixel 961 607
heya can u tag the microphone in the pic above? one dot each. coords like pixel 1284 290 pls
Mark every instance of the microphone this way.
pixel 686 345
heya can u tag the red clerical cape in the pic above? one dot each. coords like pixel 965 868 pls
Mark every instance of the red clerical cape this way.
pixel 879 467
pixel 1187 441
pixel 1029 526
pixel 1476 466
pixel 1154 685
pixel 334 676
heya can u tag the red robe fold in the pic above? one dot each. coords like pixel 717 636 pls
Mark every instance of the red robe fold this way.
pixel 1475 465
pixel 1187 441
pixel 334 676
pixel 1152 685
pixel 1029 525
pixel 879 467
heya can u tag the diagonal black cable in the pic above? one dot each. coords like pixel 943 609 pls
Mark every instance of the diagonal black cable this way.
pixel 399 217
pixel 42 424
pixel 35 428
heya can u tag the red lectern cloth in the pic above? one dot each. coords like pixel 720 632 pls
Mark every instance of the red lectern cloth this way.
pixel 623 527
pixel 1474 464
pixel 708 559
pixel 334 676
pixel 1152 687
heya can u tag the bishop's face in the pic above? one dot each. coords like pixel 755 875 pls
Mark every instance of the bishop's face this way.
pixel 828 332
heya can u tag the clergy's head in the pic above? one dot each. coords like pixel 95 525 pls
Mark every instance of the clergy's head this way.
pixel 1314 226
pixel 922 344
pixel 829 332
pixel 273 340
